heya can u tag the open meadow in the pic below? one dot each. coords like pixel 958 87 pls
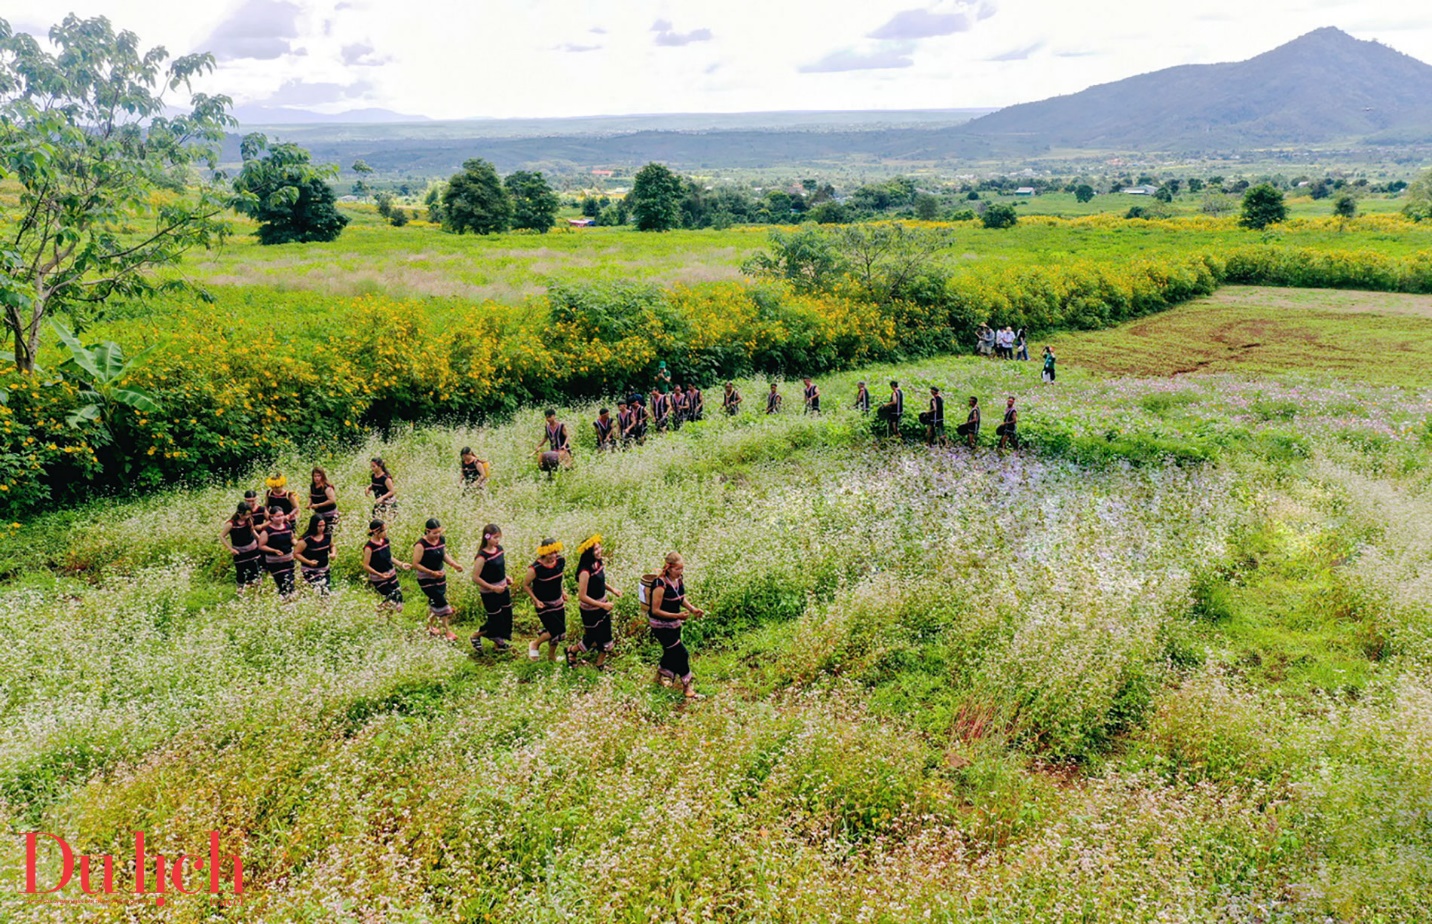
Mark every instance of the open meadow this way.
pixel 1169 661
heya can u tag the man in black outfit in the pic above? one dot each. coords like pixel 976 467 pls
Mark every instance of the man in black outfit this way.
pixel 935 430
pixel 970 429
pixel 894 409
pixel 1007 431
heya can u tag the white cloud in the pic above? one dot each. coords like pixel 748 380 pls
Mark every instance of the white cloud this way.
pixel 457 59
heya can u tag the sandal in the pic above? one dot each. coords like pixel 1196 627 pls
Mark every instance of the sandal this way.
pixel 451 636
pixel 533 654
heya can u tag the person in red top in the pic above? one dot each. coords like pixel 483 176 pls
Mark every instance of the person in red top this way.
pixel 544 587
pixel 594 602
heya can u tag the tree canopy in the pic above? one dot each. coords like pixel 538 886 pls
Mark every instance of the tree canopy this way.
pixel 1263 205
pixel 475 200
pixel 286 194
pixel 655 199
pixel 108 173
pixel 534 204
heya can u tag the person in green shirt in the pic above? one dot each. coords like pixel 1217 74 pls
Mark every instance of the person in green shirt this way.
pixel 1048 364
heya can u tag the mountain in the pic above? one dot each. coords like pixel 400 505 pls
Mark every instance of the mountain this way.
pixel 1323 87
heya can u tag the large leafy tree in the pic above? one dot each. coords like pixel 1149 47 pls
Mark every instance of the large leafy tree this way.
pixel 1419 198
pixel 1263 205
pixel 475 200
pixel 286 194
pixel 534 204
pixel 109 177
pixel 656 198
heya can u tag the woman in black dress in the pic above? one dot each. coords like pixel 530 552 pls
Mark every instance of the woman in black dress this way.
pixel 382 571
pixel 380 486
pixel 241 539
pixel 669 611
pixel 276 542
pixel 280 496
pixel 430 560
pixel 314 551
pixel 489 573
pixel 549 598
pixel 475 471
pixel 594 603
pixel 323 498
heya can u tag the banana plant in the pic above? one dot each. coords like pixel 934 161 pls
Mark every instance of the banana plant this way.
pixel 98 369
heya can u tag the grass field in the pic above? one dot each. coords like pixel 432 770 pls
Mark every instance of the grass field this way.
pixel 939 686
pixel 1379 338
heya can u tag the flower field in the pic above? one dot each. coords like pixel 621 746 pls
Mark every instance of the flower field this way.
pixel 1171 663
pixel 267 370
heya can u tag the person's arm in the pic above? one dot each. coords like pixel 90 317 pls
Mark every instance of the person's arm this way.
pixel 368 561
pixel 298 549
pixel 583 579
pixel 390 490
pixel 264 546
pixel 332 499
pixel 451 563
pixel 224 536
pixel 527 587
pixel 686 605
pixel 658 593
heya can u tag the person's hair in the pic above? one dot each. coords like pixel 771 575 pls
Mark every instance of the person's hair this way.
pixel 312 528
pixel 466 451
pixel 490 530
pixel 382 466
pixel 894 384
pixel 588 558
pixel 974 399
pixel 604 411
pixel 861 382
pixel 276 511
pixel 375 525
pixel 935 389
pixel 251 494
pixel 242 510
pixel 671 559
pixel 320 473
pixel 432 523
pixel 549 413
pixel 730 384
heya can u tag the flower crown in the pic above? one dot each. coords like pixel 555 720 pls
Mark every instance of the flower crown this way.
pixel 552 549
pixel 593 540
pixel 276 481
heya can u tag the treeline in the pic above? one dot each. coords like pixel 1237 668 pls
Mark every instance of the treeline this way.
pixel 226 399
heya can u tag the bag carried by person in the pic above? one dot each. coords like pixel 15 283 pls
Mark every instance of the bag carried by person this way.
pixel 644 592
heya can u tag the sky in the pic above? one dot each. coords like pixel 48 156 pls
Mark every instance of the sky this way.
pixel 457 59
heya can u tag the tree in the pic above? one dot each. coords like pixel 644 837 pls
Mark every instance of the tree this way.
pixel 1345 206
pixel 1195 185
pixel 655 198
pixel 433 200
pixel 927 207
pixel 398 217
pixel 361 187
pixel 87 142
pixel 1419 198
pixel 286 194
pixel 1083 193
pixel 806 260
pixel 98 369
pixel 1263 206
pixel 1164 193
pixel 999 215
pixel 475 200
pixel 534 204
pixel 887 261
pixel 385 205
pixel 1217 203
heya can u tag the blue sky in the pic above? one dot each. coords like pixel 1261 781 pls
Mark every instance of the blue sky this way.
pixel 530 58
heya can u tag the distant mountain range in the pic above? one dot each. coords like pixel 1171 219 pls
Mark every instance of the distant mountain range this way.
pixel 1325 88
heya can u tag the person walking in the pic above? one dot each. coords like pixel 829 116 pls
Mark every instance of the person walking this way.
pixel 695 403
pixel 313 552
pixel 475 471
pixel 731 400
pixel 606 431
pixel 382 571
pixel 970 429
pixel 380 486
pixel 812 396
pixel 862 398
pixel 594 603
pixel 489 573
pixel 935 432
pixel 544 587
pixel 1008 431
pixel 773 400
pixel 894 409
pixel 276 542
pixel 1021 343
pixel 669 611
pixel 1048 374
pixel 430 560
pixel 323 499
pixel 240 537
pixel 558 443
pixel 279 495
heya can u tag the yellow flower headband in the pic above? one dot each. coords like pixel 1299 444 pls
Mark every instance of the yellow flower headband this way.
pixel 595 538
pixel 277 481
pixel 543 550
